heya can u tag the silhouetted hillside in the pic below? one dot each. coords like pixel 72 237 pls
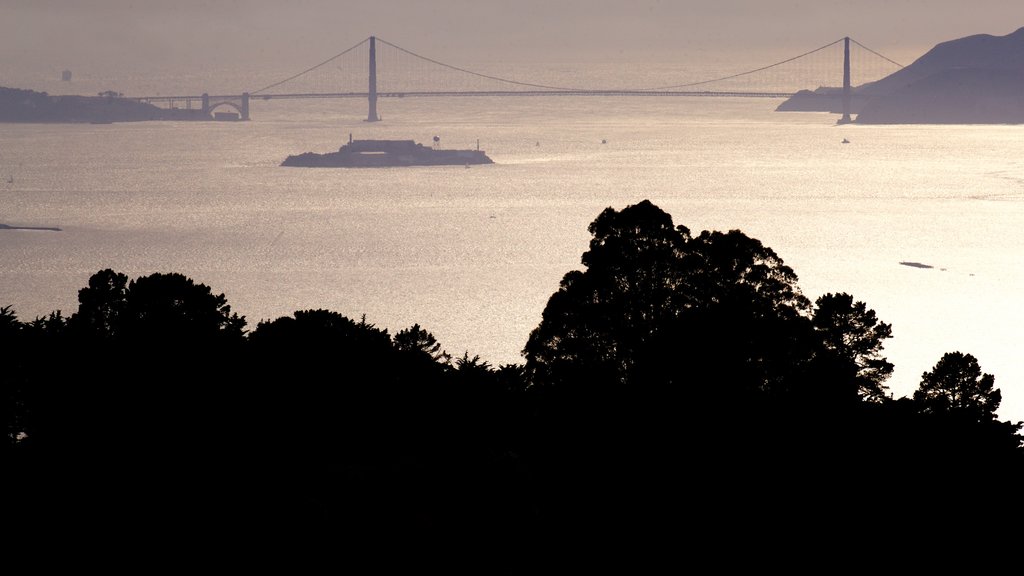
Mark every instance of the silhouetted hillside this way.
pixel 972 80
pixel 980 51
pixel 17 105
pixel 952 96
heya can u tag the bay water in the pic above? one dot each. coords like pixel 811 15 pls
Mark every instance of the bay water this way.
pixel 473 253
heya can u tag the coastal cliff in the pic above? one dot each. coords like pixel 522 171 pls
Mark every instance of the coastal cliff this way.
pixel 17 105
pixel 977 79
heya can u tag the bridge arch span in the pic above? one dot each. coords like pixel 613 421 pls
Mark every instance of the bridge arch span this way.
pixel 239 103
pixel 228 104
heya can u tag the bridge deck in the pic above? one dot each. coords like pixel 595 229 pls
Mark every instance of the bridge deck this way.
pixel 495 93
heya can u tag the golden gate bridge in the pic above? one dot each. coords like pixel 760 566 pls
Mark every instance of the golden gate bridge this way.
pixel 375 68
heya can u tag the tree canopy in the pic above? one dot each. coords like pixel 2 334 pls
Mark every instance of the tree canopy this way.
pixel 673 376
pixel 653 300
pixel 169 307
pixel 854 335
pixel 957 385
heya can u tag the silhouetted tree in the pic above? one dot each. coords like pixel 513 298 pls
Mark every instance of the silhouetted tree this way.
pixel 41 341
pixel 52 325
pixel 9 323
pixel 474 364
pixel 751 333
pixel 595 324
pixel 320 427
pixel 144 366
pixel 171 306
pixel 655 304
pixel 961 446
pixel 100 415
pixel 657 364
pixel 29 350
pixel 320 328
pixel 957 385
pixel 416 339
pixel 853 334
pixel 737 268
pixel 100 304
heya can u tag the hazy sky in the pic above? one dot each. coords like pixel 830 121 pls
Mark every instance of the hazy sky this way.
pixel 177 33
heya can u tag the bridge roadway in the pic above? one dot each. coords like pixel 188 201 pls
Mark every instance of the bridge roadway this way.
pixel 495 93
pixel 240 103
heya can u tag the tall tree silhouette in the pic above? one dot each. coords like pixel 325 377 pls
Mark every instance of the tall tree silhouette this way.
pixel 854 335
pixel 751 333
pixel 594 325
pixel 656 303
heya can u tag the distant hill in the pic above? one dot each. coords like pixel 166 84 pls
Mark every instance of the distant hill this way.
pixel 973 80
pixel 977 79
pixel 951 96
pixel 17 105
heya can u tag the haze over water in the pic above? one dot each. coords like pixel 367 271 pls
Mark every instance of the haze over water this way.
pixel 473 254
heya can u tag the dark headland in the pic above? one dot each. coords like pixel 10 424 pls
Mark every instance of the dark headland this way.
pixel 972 80
pixel 378 153
pixel 18 105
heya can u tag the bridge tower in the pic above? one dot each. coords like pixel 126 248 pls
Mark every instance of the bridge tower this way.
pixel 372 115
pixel 846 82
pixel 244 108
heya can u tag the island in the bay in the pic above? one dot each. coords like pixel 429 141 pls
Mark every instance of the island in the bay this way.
pixel 971 80
pixel 377 153
pixel 19 105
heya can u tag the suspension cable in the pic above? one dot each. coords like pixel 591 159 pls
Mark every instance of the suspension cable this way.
pixel 876 53
pixel 463 70
pixel 310 69
pixel 761 69
pixel 563 88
